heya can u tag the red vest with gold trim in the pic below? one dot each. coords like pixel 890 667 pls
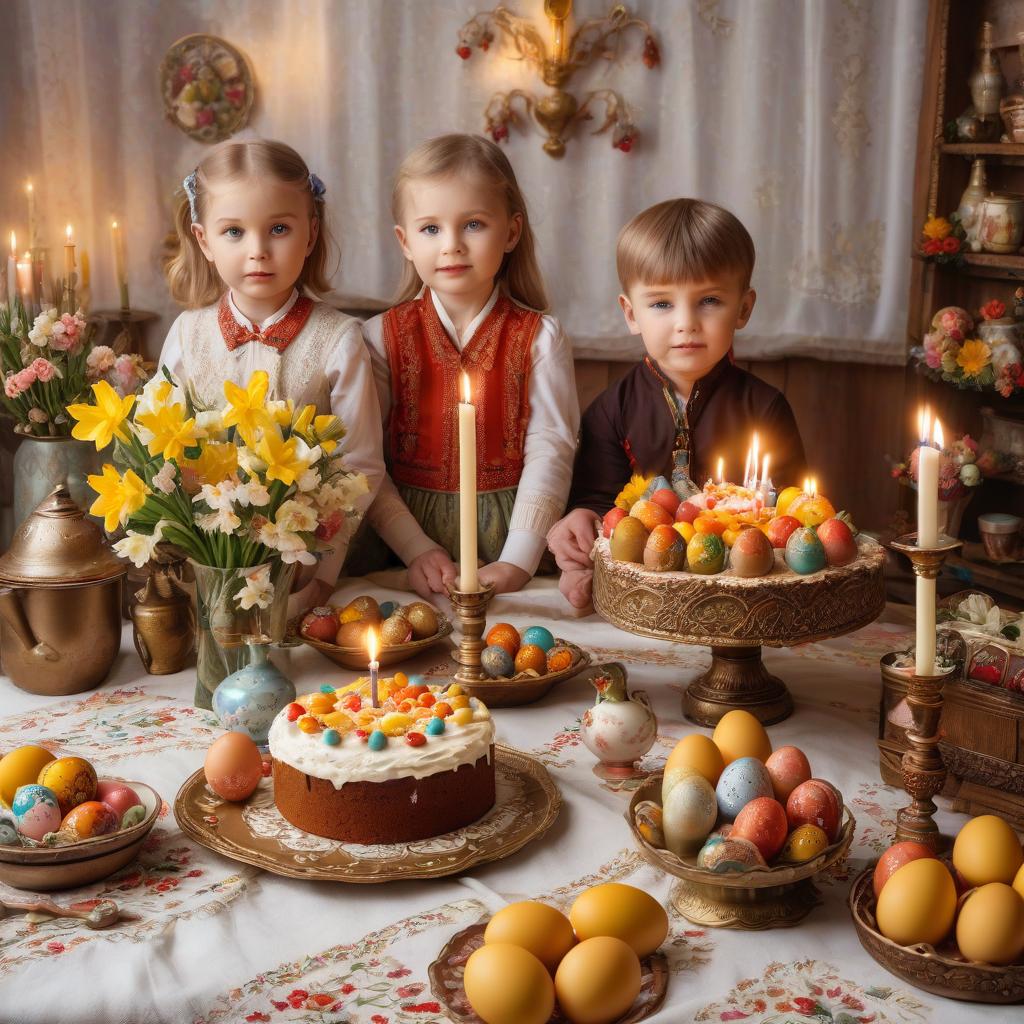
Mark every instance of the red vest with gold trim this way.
pixel 426 370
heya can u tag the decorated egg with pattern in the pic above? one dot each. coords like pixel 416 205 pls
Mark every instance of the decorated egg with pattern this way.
pixel 423 619
pixel 723 855
pixel 804 552
pixel 89 820
pixel 396 630
pixel 497 662
pixel 36 811
pixel 804 843
pixel 539 636
pixel 743 780
pixel 705 554
pixel 688 814
pixel 752 554
pixel 531 658
pixel 72 779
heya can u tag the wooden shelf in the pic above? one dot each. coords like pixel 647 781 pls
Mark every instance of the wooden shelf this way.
pixel 1008 150
pixel 983 264
pixel 975 570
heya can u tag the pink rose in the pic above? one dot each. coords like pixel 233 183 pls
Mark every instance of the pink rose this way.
pixel 26 377
pixel 43 369
pixel 11 387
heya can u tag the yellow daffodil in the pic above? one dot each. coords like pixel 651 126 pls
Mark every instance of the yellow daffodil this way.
pixel 101 423
pixel 216 462
pixel 937 227
pixel 973 357
pixel 171 432
pixel 282 412
pixel 283 461
pixel 119 497
pixel 247 407
pixel 632 492
pixel 323 430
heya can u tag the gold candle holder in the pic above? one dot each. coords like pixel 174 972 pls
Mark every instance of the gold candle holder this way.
pixel 471 607
pixel 924 772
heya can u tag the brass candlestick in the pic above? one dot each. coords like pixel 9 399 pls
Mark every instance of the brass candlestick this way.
pixel 471 607
pixel 924 772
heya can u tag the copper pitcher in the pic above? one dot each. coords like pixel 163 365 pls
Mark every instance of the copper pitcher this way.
pixel 60 601
pixel 164 624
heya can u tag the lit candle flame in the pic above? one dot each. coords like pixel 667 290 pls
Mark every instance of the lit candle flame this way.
pixel 721 471
pixel 753 461
pixel 764 468
pixel 113 223
pixel 467 394
pixel 371 643
pixel 67 232
pixel 937 434
pixel 28 187
pixel 814 486
pixel 924 424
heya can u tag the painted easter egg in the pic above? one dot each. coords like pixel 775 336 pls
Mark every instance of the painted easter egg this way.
pixel 497 662
pixel 816 802
pixel 743 780
pixel 740 734
pixel 9 834
pixel 780 529
pixel 838 541
pixel 423 619
pixel 649 822
pixel 628 540
pixel 531 658
pixel 117 795
pixel 812 509
pixel 694 752
pixel 559 659
pixel 650 514
pixel 395 630
pixel 804 843
pixel 611 520
pixel 233 766
pixel 804 553
pixel 752 554
pixel 705 554
pixel 89 820
pixel 539 636
pixel 687 512
pixel 667 499
pixel 762 821
pixel 987 850
pixel 36 811
pixel 320 624
pixel 787 767
pixel 20 767
pixel 72 779
pixel 688 814
pixel 893 859
pixel 724 855
pixel 664 551
pixel 352 634
pixel 388 608
pixel 503 634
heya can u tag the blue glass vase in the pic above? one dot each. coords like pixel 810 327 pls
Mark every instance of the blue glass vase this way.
pixel 248 700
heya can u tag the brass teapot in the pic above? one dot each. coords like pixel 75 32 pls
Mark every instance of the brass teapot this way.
pixel 164 624
pixel 60 601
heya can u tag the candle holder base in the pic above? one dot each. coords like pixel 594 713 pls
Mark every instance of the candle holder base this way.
pixel 471 608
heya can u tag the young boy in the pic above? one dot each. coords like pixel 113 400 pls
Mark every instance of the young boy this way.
pixel 685 268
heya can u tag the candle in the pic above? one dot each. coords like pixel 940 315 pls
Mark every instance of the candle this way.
pixel 753 464
pixel 720 475
pixel 927 537
pixel 24 275
pixel 84 277
pixel 467 490
pixel 69 255
pixel 12 272
pixel 371 648
pixel 746 469
pixel 31 196
pixel 117 237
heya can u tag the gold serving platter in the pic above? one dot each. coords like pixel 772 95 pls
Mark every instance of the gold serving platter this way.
pixel 770 897
pixel 255 832
pixel 940 971
pixel 356 657
pixel 524 689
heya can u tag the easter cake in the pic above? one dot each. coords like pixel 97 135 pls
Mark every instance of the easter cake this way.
pixel 419 765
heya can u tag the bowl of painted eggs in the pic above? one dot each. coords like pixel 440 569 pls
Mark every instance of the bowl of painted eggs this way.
pixel 520 666
pixel 339 633
pixel 953 925
pixel 744 827
pixel 531 963
pixel 62 826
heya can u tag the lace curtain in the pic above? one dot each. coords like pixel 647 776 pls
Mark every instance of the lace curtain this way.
pixel 800 117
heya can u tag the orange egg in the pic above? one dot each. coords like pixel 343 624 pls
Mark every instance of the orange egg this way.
pixel 503 634
pixel 559 658
pixel 72 779
pixel 233 766
pixel 531 657
pixel 708 524
pixel 651 514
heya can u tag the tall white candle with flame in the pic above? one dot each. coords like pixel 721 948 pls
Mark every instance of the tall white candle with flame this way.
pixel 374 666
pixel 12 272
pixel 24 271
pixel 720 475
pixel 30 195
pixel 69 254
pixel 753 463
pixel 117 238
pixel 468 581
pixel 927 537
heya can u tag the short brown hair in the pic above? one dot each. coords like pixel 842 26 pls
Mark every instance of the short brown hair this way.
pixel 683 240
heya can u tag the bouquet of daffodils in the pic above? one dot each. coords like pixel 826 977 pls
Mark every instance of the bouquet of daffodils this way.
pixel 254 482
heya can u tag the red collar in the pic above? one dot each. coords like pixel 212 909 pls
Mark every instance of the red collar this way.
pixel 278 336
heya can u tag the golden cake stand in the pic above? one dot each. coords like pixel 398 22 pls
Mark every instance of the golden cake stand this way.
pixel 736 617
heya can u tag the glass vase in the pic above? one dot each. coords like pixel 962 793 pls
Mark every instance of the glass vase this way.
pixel 225 627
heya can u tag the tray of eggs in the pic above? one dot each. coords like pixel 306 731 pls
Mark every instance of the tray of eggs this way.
pixel 956 927
pixel 62 825
pixel 520 667
pixel 530 963
pixel 404 630
pixel 744 828
pixel 706 536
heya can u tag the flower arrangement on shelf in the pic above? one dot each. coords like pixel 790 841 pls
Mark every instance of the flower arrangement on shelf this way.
pixel 943 240
pixel 958 468
pixel 256 482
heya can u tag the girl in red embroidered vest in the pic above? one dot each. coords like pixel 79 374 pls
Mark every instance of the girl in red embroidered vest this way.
pixel 471 300
pixel 252 237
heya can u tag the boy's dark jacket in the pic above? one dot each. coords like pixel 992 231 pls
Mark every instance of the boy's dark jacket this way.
pixel 630 428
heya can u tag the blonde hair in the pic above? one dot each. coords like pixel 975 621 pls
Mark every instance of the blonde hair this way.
pixel 683 240
pixel 463 155
pixel 193 280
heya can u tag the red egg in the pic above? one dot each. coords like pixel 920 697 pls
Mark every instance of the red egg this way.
pixel 838 541
pixel 117 795
pixel 320 624
pixel 611 518
pixel 816 802
pixel 894 858
pixel 763 822
pixel 779 529
pixel 667 499
pixel 751 554
pixel 687 512
pixel 787 768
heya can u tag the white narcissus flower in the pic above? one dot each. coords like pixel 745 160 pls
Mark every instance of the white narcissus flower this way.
pixel 252 492
pixel 137 547
pixel 258 591
pixel 164 481
pixel 291 546
pixel 223 519
pixel 251 462
pixel 341 493
pixel 210 425
pixel 296 518
pixel 42 329
pixel 308 481
pixel 218 496
pixel 304 453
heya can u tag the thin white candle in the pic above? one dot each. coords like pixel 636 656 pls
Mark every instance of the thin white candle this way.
pixel 720 475
pixel 69 253
pixel 117 237
pixel 746 470
pixel 24 271
pixel 753 463
pixel 12 271
pixel 927 486
pixel 468 581
pixel 31 197
pixel 374 666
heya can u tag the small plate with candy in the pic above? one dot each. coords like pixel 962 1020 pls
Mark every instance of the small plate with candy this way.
pixel 404 630
pixel 744 827
pixel 521 667
pixel 63 826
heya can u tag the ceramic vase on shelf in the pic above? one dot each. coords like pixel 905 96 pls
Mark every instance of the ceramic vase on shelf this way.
pixel 224 627
pixel 986 80
pixel 1001 223
pixel 248 700
pixel 969 210
pixel 619 729
pixel 1011 109
pixel 42 463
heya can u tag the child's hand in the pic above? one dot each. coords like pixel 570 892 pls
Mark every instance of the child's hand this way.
pixel 571 539
pixel 313 594
pixel 576 586
pixel 504 576
pixel 431 573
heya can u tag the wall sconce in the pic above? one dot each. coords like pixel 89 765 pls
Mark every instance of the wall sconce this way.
pixel 558 113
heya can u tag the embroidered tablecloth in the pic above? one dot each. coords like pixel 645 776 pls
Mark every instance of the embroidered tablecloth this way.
pixel 213 940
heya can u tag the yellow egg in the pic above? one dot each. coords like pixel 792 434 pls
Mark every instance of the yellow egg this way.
pixel 597 980
pixel 1018 882
pixel 699 752
pixel 785 499
pixel 21 767
pixel 72 779
pixel 918 903
pixel 990 926
pixel 740 734
pixel 507 984
pixel 622 911
pixel 541 929
pixel 804 843
pixel 987 850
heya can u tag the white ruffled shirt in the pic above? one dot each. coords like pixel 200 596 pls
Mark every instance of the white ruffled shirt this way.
pixel 353 399
pixel 548 454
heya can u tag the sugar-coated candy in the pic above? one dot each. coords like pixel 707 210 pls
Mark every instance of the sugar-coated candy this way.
pixel 415 739
pixel 435 727
pixel 463 716
pixel 295 712
pixel 377 740
pixel 461 701
pixel 326 688
pixel 307 723
pixel 362 734
pixel 395 723
pixel 352 702
pixel 442 709
pixel 332 737
pixel 426 700
pixel 455 690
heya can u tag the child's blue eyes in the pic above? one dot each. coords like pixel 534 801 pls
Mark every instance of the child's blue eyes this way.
pixel 279 229
pixel 661 304
pixel 708 300
pixel 433 229
pixel 236 232
pixel 233 232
